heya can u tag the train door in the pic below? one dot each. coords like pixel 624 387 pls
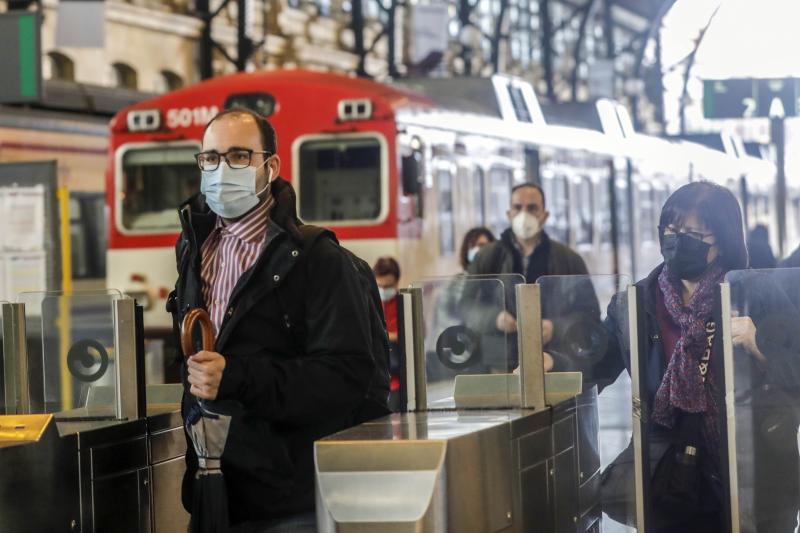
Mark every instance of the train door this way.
pixel 150 182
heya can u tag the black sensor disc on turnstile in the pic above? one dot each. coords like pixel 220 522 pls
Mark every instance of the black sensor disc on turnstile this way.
pixel 458 347
pixel 80 359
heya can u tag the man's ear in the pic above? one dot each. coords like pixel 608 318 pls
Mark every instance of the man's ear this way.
pixel 544 218
pixel 275 165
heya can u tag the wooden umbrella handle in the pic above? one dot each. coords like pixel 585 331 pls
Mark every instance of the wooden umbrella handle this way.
pixel 206 329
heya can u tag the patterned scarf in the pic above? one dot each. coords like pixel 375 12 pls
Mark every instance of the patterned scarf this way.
pixel 682 387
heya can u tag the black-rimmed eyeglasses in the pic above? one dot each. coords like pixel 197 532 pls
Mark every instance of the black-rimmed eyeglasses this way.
pixel 235 158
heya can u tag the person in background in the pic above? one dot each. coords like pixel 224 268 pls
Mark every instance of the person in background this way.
pixel 387 276
pixel 526 249
pixel 474 240
pixel 758 247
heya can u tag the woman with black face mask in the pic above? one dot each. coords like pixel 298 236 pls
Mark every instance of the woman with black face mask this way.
pixel 702 239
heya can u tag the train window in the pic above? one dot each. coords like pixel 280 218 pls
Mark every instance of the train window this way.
pixel 604 213
pixel 87 235
pixel 556 192
pixel 584 201
pixel 623 212
pixel 518 102
pixel 261 103
pixel 447 230
pixel 478 197
pixel 154 181
pixel 647 214
pixel 501 180
pixel 341 179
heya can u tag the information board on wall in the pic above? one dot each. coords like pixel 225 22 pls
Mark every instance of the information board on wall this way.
pixel 22 250
pixel 750 98
pixel 30 248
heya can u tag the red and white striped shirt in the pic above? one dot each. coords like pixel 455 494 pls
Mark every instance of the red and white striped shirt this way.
pixel 229 252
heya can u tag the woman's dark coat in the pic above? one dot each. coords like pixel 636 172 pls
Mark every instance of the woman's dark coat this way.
pixel 754 295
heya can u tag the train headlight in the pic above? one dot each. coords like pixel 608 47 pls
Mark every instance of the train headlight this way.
pixel 144 120
pixel 355 109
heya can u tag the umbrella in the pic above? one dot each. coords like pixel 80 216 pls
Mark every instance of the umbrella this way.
pixel 208 430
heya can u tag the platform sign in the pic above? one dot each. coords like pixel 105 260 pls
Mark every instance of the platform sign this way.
pixel 20 60
pixel 749 98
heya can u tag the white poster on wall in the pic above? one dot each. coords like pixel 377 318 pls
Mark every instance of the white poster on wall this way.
pixel 23 218
pixel 24 272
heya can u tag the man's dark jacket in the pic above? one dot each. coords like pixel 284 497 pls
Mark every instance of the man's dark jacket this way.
pixel 296 339
pixel 503 257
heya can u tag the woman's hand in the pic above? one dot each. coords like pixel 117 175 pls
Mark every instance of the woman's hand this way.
pixel 743 333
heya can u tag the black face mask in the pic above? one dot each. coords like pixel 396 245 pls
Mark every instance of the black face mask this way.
pixel 684 255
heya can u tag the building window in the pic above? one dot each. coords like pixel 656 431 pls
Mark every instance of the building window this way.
pixel 168 81
pixel 124 76
pixel 61 67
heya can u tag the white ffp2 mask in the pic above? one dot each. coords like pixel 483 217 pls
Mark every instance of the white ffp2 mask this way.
pixel 525 226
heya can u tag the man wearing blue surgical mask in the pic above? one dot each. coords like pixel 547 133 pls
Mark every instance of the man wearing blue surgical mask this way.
pixel 292 358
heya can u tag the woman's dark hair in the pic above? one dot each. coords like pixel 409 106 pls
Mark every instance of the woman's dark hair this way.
pixel 470 238
pixel 717 208
pixel 386 266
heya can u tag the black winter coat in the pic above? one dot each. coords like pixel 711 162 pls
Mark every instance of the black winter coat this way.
pixel 296 341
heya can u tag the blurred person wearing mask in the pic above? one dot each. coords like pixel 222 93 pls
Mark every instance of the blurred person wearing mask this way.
pixel 387 276
pixel 702 239
pixel 292 359
pixel 474 240
pixel 526 249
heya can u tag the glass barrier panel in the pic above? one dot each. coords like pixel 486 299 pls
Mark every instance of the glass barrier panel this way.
pixel 762 384
pixel 72 338
pixel 470 344
pixel 584 323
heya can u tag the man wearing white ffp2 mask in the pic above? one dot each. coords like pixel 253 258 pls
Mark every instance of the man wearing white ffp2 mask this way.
pixel 525 248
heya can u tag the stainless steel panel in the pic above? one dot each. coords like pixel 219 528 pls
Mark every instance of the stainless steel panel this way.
pixel 166 445
pixel 125 341
pixel 168 513
pixel 15 360
pixel 531 366
pixel 479 477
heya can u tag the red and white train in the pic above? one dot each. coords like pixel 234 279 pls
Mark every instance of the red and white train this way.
pixel 406 170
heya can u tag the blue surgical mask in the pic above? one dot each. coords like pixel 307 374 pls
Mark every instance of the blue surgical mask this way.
pixel 471 253
pixel 387 293
pixel 231 192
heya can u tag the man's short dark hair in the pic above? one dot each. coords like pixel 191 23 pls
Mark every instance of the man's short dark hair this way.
pixel 269 140
pixel 532 185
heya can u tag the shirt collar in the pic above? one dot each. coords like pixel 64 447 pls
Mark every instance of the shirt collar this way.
pixel 251 227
